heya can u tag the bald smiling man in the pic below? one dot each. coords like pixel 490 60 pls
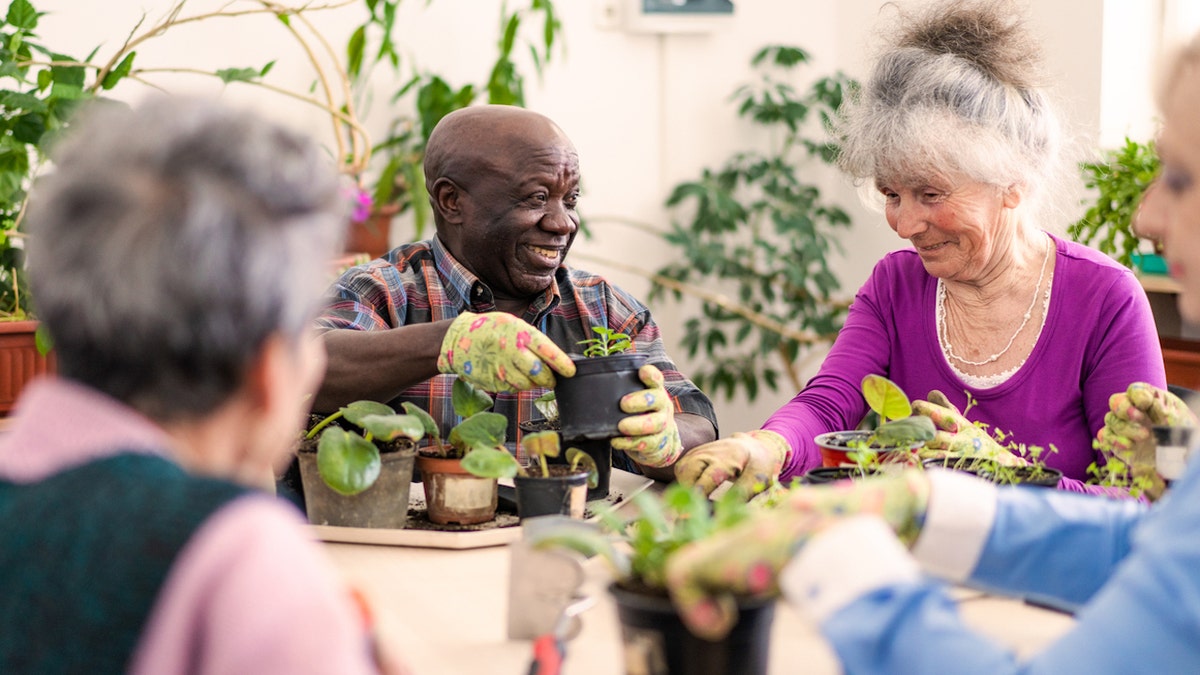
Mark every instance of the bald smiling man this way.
pixel 504 185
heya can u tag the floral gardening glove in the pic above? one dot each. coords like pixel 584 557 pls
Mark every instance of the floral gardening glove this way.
pixel 957 436
pixel 1132 412
pixel 752 460
pixel 704 577
pixel 1127 433
pixel 497 351
pixel 651 437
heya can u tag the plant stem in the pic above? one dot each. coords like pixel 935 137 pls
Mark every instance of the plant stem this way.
pixel 324 423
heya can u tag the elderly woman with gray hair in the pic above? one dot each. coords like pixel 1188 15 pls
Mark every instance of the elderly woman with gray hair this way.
pixel 177 253
pixel 987 312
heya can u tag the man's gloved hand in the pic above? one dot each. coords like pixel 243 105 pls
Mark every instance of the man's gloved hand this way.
pixel 651 437
pixel 497 351
pixel 752 460
pixel 1132 412
pixel 704 577
pixel 957 436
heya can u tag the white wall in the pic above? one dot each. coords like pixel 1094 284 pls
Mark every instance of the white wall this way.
pixel 645 110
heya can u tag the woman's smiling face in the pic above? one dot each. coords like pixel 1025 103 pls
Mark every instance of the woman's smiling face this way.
pixel 957 225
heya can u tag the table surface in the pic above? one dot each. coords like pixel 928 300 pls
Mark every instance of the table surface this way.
pixel 446 612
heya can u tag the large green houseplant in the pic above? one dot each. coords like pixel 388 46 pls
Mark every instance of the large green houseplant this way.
pixel 1118 178
pixel 759 231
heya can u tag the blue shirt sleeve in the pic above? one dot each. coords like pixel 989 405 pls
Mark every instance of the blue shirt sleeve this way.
pixel 1134 573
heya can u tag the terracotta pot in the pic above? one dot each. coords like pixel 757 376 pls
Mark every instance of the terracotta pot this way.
pixel 373 235
pixel 589 404
pixel 836 447
pixel 454 495
pixel 20 361
pixel 563 492
pixel 383 505
pixel 656 640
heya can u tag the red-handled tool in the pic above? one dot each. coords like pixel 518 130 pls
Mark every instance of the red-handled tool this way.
pixel 549 650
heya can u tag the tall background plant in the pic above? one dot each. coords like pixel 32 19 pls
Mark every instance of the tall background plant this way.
pixel 759 230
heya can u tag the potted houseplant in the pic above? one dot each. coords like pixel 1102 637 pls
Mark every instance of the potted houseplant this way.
pixel 544 488
pixel 655 638
pixel 1119 177
pixel 894 439
pixel 359 477
pixel 589 403
pixel 460 474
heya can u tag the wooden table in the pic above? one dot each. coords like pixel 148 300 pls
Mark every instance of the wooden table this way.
pixel 446 610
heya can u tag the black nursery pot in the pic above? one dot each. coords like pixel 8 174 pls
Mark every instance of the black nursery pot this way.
pixel 589 404
pixel 562 492
pixel 831 474
pixel 601 453
pixel 653 634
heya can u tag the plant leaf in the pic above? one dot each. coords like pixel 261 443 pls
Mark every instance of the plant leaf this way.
pixel 356 411
pixel 482 430
pixel 491 463
pixel 541 444
pixel 386 428
pixel 467 399
pixel 347 462
pixel 427 421
pixel 885 398
pixel 578 459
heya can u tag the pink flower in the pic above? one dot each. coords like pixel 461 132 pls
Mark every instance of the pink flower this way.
pixel 360 201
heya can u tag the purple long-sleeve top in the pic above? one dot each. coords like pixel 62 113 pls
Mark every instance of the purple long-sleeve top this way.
pixel 1099 336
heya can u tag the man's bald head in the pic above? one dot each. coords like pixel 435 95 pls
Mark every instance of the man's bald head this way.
pixel 484 139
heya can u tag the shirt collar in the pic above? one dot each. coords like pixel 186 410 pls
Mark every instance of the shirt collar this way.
pixel 467 292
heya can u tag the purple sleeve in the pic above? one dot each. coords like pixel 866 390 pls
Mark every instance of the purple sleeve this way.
pixel 832 400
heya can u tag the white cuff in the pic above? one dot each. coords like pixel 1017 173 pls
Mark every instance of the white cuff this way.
pixel 957 524
pixel 836 567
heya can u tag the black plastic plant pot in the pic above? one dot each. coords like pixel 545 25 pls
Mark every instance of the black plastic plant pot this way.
pixel 653 634
pixel 563 492
pixel 831 474
pixel 589 404
pixel 601 453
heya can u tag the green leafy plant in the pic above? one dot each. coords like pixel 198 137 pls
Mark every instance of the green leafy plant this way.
pixel 547 405
pixel 607 342
pixel 349 461
pixel 638 548
pixel 42 86
pixel 478 440
pixel 400 179
pixel 544 445
pixel 1119 179
pixel 759 231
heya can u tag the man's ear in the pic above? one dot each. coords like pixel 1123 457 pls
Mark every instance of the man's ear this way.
pixel 446 197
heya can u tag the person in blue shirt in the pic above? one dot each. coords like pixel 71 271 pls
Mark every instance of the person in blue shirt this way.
pixel 867 560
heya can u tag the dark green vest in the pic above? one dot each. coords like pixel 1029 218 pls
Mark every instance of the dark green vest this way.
pixel 83 555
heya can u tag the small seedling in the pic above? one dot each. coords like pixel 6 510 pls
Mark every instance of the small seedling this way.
pixel 608 343
pixel 545 445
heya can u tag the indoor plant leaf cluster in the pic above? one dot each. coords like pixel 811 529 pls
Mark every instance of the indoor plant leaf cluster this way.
pixel 760 230
pixel 1119 179
pixel 349 461
pixel 637 548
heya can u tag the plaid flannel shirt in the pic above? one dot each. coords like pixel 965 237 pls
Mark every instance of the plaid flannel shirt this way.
pixel 421 283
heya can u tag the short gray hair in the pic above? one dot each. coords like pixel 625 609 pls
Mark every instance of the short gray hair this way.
pixel 171 241
pixel 957 90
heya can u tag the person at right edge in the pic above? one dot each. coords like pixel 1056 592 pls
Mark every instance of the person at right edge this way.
pixel 859 560
pixel 957 136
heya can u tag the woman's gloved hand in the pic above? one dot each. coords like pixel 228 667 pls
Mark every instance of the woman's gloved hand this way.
pixel 1134 411
pixel 651 437
pixel 957 436
pixel 704 577
pixel 497 352
pixel 753 461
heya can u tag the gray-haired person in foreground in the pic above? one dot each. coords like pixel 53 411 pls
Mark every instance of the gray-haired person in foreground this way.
pixel 176 254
